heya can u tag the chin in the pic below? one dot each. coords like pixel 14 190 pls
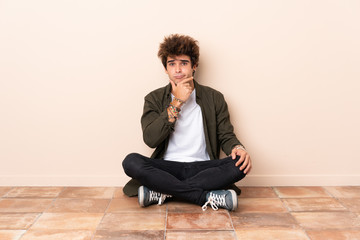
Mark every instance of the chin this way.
pixel 178 80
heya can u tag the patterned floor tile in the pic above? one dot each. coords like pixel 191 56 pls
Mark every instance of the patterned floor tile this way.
pixel 278 234
pixel 95 213
pixel 353 204
pixel 68 205
pixel 24 205
pixel 4 190
pixel 327 220
pixel 126 234
pixel 313 204
pixel 260 205
pixel 211 220
pixel 132 205
pixel 88 192
pixel 73 221
pixel 34 192
pixel 183 207
pixel 264 221
pixel 11 234
pixel 118 193
pixel 301 192
pixel 46 234
pixel 17 221
pixel 133 221
pixel 257 192
pixel 345 191
pixel 200 235
pixel 334 235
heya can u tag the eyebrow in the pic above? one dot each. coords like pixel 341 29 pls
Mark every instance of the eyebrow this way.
pixel 170 61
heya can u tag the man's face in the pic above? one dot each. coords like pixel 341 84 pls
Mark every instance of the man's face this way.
pixel 179 68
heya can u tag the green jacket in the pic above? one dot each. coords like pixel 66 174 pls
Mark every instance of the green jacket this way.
pixel 219 132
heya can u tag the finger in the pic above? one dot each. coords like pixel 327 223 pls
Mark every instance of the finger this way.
pixel 242 158
pixel 248 168
pixel 245 163
pixel 173 84
pixel 233 155
pixel 186 80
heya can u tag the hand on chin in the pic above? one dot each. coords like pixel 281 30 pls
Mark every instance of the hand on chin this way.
pixel 178 80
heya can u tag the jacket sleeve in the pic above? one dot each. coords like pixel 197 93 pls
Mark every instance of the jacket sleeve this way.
pixel 225 130
pixel 154 122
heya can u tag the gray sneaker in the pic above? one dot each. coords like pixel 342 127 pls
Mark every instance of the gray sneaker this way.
pixel 221 198
pixel 148 197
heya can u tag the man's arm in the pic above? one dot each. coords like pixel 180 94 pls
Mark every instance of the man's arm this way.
pixel 228 140
pixel 225 130
pixel 155 122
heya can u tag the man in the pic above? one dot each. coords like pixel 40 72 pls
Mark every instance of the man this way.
pixel 187 124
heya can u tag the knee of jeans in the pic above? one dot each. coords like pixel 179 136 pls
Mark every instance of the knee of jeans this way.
pixel 238 167
pixel 237 172
pixel 130 162
pixel 240 173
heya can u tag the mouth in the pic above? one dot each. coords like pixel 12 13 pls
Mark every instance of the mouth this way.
pixel 179 76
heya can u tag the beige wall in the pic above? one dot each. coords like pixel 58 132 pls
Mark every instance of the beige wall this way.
pixel 73 75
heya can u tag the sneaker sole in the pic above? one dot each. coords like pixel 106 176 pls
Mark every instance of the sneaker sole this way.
pixel 141 196
pixel 234 199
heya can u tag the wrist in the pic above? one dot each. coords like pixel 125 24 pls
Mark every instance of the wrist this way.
pixel 239 147
pixel 177 103
pixel 179 100
pixel 171 116
pixel 173 112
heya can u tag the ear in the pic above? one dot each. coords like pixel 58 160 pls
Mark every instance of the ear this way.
pixel 194 69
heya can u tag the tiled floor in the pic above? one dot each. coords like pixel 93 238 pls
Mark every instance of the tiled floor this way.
pixel 94 213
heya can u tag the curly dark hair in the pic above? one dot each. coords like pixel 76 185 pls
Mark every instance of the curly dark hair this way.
pixel 175 45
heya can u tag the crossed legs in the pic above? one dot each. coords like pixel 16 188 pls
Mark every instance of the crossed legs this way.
pixel 188 181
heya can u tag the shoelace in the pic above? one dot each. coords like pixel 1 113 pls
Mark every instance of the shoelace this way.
pixel 154 196
pixel 215 201
pixel 157 197
pixel 162 198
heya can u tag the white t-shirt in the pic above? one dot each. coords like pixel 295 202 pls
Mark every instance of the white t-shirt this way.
pixel 187 142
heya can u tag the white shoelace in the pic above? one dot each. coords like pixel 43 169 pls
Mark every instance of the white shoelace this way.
pixel 162 198
pixel 154 196
pixel 214 200
pixel 159 197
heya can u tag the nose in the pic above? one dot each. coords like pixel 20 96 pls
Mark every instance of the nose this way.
pixel 178 68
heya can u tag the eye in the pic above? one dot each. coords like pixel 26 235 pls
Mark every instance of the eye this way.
pixel 171 64
pixel 184 63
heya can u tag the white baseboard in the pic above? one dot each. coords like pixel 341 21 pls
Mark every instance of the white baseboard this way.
pixel 121 180
pixel 300 180
pixel 63 180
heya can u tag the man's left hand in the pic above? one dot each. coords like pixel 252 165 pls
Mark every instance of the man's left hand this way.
pixel 244 158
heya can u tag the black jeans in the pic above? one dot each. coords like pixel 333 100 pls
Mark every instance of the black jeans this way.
pixel 187 181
